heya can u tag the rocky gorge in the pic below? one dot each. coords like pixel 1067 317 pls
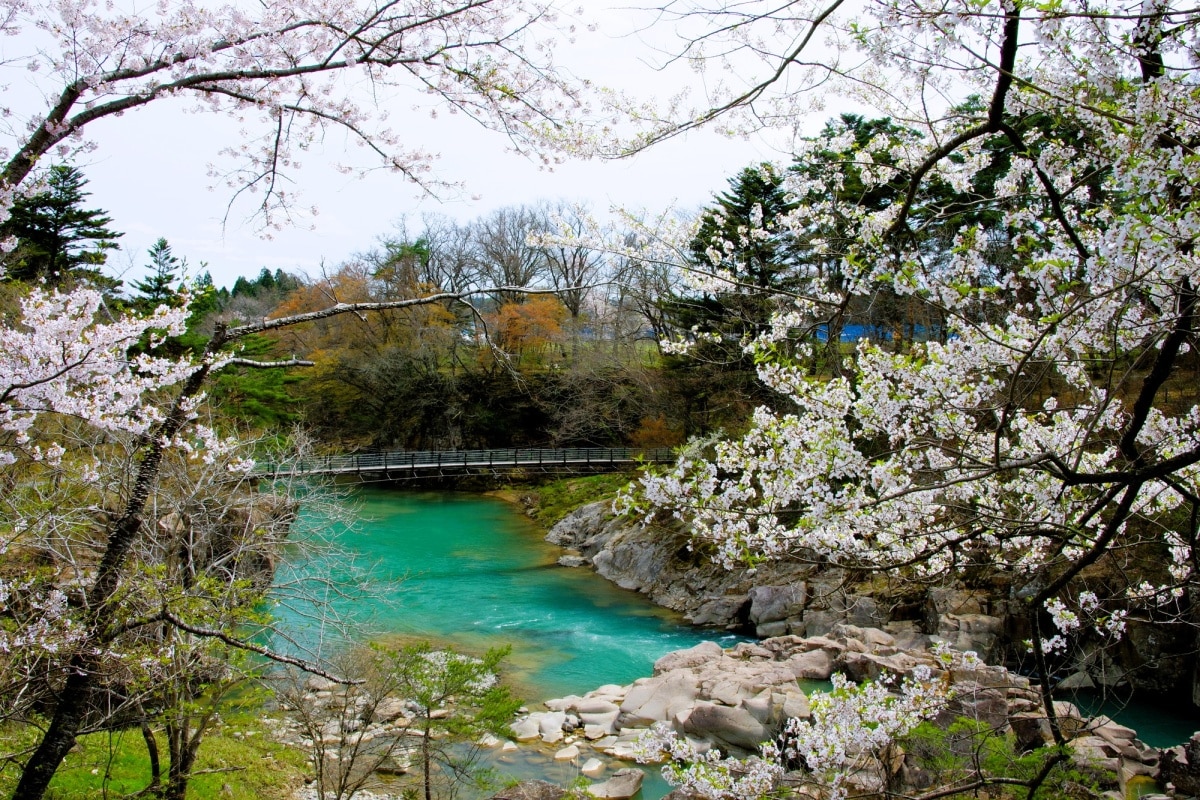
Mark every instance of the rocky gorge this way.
pixel 732 699
pixel 814 622
pixel 981 613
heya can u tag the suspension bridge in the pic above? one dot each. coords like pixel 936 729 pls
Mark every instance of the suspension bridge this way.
pixel 405 464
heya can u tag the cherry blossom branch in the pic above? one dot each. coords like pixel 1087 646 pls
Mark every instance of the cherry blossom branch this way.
pixel 291 362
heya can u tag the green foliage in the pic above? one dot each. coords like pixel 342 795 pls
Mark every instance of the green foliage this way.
pixel 457 699
pixel 238 755
pixel 557 498
pixel 255 397
pixel 165 272
pixel 266 282
pixel 969 749
pixel 58 240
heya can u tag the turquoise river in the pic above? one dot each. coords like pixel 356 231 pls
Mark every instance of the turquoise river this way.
pixel 472 572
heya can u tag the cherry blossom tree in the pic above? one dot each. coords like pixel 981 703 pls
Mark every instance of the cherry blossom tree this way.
pixel 289 72
pixel 1050 431
pixel 65 377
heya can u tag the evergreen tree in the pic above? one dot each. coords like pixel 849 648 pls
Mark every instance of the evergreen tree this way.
pixel 755 201
pixel 719 382
pixel 165 271
pixel 57 238
pixel 761 266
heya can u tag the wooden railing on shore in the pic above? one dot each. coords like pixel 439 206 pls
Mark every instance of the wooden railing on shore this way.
pixel 449 462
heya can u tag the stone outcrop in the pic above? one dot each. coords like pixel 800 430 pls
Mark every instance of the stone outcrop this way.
pixel 778 599
pixel 530 790
pixel 773 599
pixel 738 698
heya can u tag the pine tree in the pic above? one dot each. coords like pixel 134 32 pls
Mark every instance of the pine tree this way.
pixel 762 266
pixel 165 271
pixel 58 240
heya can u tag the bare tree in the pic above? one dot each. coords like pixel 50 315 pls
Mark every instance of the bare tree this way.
pixel 506 255
pixel 572 267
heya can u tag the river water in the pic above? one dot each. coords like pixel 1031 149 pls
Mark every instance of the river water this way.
pixel 472 572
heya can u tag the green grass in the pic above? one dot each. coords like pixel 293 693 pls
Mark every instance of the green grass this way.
pixel 556 499
pixel 237 762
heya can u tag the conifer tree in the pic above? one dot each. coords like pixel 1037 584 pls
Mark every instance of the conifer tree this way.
pixel 166 270
pixel 57 238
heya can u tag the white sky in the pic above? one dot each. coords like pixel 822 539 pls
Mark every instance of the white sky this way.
pixel 150 174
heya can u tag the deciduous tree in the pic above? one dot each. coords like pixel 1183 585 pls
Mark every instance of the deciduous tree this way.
pixel 1051 437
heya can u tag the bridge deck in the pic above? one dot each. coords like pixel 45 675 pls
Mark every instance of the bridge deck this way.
pixel 451 461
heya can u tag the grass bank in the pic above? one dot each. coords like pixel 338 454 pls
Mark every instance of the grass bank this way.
pixel 547 503
pixel 238 761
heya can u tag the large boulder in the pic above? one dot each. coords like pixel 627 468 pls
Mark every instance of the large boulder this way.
pixel 979 633
pixel 658 699
pixel 734 729
pixel 686 659
pixel 530 790
pixel 623 784
pixel 775 603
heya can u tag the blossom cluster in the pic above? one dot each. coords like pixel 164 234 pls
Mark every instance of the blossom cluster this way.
pixel 59 358
pixel 849 725
pixel 705 773
pixel 285 72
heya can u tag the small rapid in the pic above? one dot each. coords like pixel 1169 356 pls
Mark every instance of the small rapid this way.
pixel 471 572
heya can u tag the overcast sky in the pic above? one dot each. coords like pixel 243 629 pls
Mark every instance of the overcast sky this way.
pixel 151 178
pixel 150 173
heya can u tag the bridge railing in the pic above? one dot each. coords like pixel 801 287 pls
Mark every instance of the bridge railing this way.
pixel 418 460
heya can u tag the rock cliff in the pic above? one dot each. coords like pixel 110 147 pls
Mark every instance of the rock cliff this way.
pixel 775 598
pixel 790 598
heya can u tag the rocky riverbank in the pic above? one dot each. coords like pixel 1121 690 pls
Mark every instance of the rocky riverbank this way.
pixel 775 598
pixel 738 698
pixel 788 598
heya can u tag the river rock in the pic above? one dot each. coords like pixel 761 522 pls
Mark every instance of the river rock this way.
pixel 623 746
pixel 624 783
pixel 699 655
pixel 978 633
pixel 593 767
pixel 550 725
pixel 567 703
pixel 815 665
pixel 568 753
pixel 775 603
pixel 1181 767
pixel 389 709
pixel 531 790
pixel 525 730
pixel 986 706
pixel 718 611
pixel 659 698
pixel 1031 730
pixel 729 728
pixel 1076 680
pixel 860 667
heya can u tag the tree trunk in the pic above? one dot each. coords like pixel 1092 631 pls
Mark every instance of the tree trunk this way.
pixel 426 759
pixel 76 696
pixel 59 738
pixel 152 753
pixel 183 758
